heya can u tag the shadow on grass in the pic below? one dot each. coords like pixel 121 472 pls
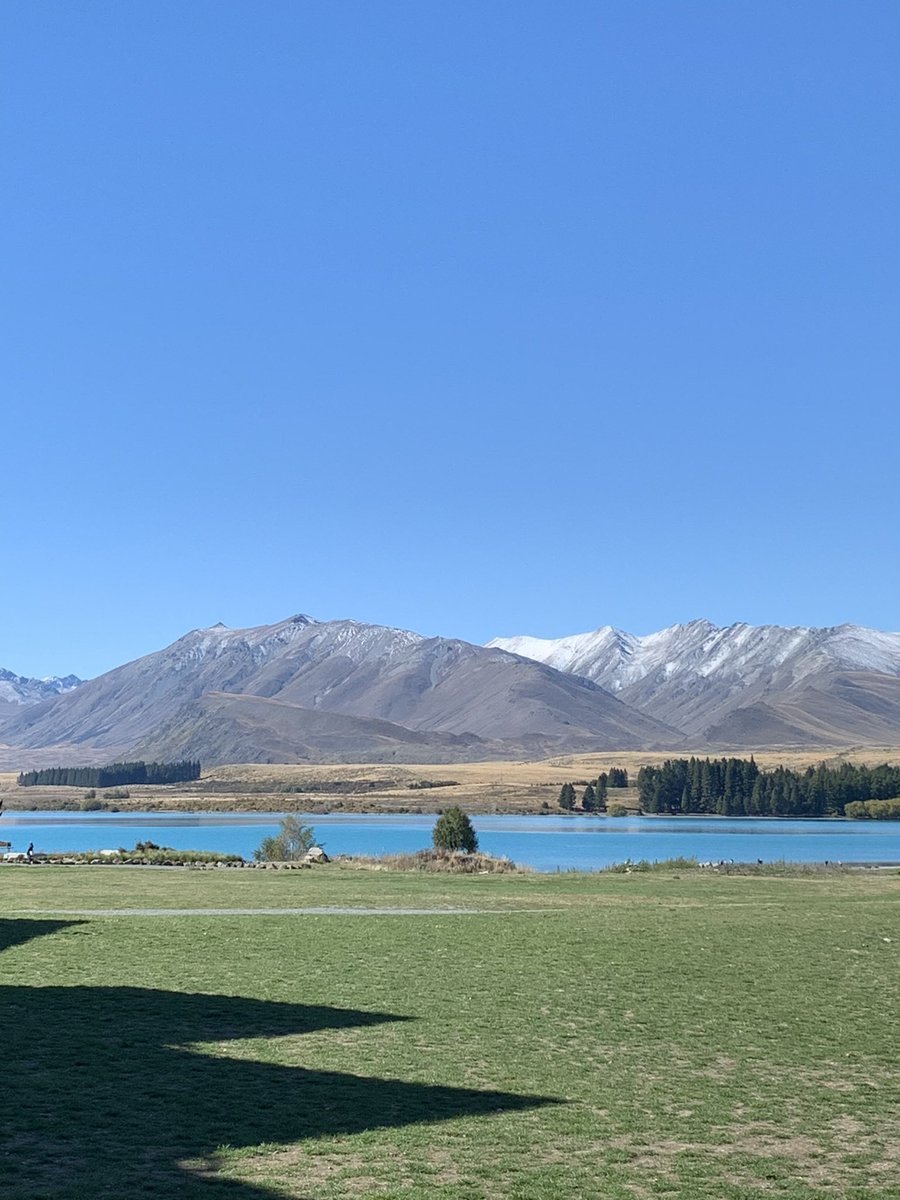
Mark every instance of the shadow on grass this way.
pixel 103 1097
pixel 14 933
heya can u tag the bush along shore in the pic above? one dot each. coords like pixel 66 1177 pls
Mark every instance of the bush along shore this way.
pixel 452 862
pixel 778 867
pixel 146 854
pixel 150 855
pixel 432 861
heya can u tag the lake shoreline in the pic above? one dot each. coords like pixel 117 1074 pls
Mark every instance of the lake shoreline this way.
pixel 133 812
pixel 549 842
pixel 364 863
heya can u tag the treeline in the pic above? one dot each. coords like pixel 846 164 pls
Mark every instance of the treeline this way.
pixel 593 798
pixel 113 775
pixel 736 787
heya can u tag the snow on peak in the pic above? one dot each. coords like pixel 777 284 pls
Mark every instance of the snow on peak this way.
pixel 360 642
pixel 19 689
pixel 699 650
pixel 576 653
pixel 297 634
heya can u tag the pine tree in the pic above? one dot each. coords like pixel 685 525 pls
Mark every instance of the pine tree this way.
pixel 588 799
pixel 707 789
pixel 567 797
pixel 454 831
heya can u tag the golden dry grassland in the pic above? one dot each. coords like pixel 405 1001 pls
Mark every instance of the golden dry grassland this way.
pixel 514 787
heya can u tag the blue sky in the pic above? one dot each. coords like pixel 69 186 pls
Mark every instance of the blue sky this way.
pixel 472 318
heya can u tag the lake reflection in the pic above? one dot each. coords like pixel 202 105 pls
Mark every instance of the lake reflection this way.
pixel 546 843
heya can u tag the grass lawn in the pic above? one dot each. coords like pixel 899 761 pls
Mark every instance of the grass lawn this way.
pixel 616 1036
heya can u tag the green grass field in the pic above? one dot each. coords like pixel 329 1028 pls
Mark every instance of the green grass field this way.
pixel 617 1036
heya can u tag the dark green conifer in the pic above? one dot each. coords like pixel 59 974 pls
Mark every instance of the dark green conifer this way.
pixel 454 831
pixel 567 797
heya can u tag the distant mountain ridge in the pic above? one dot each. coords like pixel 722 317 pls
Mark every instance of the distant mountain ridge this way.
pixel 701 678
pixel 438 689
pixel 19 689
pixel 318 691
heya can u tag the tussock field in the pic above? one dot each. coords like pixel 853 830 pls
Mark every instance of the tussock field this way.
pixel 612 1036
pixel 514 787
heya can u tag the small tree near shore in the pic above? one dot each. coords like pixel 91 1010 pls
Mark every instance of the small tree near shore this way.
pixel 567 796
pixel 454 831
pixel 290 844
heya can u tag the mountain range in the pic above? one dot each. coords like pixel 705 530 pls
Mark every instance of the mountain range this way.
pixel 318 691
pixel 16 690
pixel 304 690
pixel 743 685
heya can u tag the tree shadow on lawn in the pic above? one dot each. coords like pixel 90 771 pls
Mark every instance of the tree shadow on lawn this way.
pixel 102 1095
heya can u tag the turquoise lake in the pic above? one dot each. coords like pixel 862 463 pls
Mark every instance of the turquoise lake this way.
pixel 546 843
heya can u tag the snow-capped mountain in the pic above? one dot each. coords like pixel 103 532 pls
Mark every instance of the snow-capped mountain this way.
pixel 615 659
pixel 223 692
pixel 18 689
pixel 307 690
pixel 693 675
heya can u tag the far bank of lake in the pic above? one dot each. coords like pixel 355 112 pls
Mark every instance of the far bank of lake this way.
pixel 548 843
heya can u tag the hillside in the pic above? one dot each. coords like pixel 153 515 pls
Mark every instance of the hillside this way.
pixel 303 690
pixel 187 694
pixel 742 685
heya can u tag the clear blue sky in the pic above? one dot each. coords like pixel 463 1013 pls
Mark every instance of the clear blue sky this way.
pixel 475 318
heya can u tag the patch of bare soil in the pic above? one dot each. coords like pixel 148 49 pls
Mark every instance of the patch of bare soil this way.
pixel 820 1162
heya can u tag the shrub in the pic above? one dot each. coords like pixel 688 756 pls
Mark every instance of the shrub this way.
pixel 644 864
pixel 877 810
pixel 291 843
pixel 90 803
pixel 143 852
pixel 454 831
pixel 438 861
pixel 617 810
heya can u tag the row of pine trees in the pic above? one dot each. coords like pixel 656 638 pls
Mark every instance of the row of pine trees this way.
pixel 114 775
pixel 736 787
pixel 593 798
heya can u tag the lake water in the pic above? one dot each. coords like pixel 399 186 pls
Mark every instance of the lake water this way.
pixel 546 843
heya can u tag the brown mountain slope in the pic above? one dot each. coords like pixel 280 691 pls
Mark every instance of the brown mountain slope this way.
pixel 453 686
pixel 694 676
pixel 830 709
pixel 342 667
pixel 221 727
